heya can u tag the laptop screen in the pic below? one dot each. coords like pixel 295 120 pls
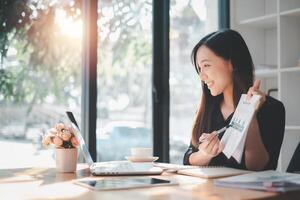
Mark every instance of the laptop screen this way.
pixel 80 139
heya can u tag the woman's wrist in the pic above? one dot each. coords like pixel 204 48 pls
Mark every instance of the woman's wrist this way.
pixel 199 158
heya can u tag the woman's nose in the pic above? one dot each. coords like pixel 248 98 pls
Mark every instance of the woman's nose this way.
pixel 203 76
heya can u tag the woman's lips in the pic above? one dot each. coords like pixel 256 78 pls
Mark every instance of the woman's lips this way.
pixel 209 84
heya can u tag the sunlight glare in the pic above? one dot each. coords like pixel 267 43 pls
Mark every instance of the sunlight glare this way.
pixel 68 26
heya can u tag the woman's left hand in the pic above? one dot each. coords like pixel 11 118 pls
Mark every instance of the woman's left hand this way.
pixel 255 90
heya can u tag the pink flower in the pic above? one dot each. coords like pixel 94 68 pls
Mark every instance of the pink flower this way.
pixel 61 136
pixel 66 135
pixel 74 142
pixel 70 128
pixel 57 141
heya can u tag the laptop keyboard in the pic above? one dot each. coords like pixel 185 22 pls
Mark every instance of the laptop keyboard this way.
pixel 123 167
pixel 117 167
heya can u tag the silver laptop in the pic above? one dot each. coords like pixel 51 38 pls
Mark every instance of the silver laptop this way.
pixel 112 167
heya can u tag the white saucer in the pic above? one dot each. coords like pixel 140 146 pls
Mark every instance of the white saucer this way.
pixel 138 159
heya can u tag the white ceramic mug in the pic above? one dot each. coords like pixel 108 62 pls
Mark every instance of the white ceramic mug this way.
pixel 141 152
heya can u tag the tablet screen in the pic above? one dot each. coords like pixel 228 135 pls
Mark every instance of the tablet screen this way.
pixel 126 183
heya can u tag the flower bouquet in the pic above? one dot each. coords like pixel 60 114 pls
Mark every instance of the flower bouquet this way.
pixel 63 139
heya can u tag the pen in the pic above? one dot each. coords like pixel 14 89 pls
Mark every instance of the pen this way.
pixel 217 132
pixel 222 130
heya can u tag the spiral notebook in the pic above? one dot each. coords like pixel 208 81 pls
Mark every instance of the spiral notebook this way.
pixel 208 172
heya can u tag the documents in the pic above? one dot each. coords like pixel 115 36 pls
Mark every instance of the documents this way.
pixel 235 135
pixel 272 181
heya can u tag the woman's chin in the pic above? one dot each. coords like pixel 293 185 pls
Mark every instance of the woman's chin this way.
pixel 214 93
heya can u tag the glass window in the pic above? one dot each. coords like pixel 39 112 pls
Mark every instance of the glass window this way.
pixel 40 77
pixel 189 22
pixel 124 77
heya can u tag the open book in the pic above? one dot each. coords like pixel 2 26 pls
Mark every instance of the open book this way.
pixel 270 180
pixel 201 171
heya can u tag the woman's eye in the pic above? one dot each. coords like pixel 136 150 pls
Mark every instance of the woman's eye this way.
pixel 206 65
pixel 199 69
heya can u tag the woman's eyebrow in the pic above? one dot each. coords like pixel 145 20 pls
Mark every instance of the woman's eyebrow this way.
pixel 204 60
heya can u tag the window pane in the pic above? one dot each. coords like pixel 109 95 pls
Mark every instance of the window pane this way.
pixel 124 77
pixel 40 78
pixel 189 22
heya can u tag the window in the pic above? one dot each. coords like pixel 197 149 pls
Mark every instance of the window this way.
pixel 124 77
pixel 40 77
pixel 189 22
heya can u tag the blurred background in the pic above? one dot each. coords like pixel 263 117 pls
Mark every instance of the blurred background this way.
pixel 41 74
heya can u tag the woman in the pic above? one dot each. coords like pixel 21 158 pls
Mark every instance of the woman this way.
pixel 225 67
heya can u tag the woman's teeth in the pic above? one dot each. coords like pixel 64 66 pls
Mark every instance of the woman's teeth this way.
pixel 209 83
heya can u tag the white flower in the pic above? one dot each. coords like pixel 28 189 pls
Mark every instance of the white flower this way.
pixel 60 127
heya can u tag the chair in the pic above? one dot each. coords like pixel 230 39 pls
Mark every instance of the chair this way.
pixel 294 165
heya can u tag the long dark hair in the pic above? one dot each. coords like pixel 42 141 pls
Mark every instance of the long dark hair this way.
pixel 229 45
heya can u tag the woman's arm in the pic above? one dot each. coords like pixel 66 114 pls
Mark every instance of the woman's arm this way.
pixel 256 155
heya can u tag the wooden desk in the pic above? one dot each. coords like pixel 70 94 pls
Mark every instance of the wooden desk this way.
pixel 46 183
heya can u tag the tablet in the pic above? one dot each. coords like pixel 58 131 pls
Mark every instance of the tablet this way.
pixel 125 183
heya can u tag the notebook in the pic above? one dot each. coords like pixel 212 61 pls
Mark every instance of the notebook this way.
pixel 270 180
pixel 208 172
pixel 113 167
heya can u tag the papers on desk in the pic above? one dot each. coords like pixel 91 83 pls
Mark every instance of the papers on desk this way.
pixel 235 136
pixel 201 171
pixel 270 180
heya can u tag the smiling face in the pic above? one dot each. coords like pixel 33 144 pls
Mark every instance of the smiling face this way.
pixel 215 72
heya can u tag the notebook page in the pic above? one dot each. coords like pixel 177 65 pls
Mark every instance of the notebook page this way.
pixel 200 171
pixel 212 172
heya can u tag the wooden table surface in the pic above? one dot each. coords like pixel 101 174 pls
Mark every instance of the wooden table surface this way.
pixel 46 183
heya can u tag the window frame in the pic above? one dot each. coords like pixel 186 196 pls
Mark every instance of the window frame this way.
pixel 160 73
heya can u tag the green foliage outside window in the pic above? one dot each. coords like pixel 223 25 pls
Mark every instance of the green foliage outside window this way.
pixel 46 63
pixel 44 60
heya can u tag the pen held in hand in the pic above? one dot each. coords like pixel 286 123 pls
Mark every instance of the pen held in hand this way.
pixel 217 133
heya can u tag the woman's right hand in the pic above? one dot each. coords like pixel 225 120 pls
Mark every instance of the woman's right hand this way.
pixel 210 145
